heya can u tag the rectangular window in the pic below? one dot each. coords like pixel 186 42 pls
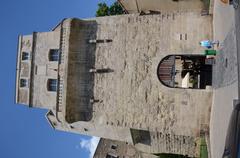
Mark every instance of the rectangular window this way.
pixel 52 85
pixel 114 147
pixel 23 83
pixel 141 136
pixel 53 55
pixel 25 56
pixel 112 156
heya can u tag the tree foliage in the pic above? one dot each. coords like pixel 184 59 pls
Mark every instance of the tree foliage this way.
pixel 104 10
pixel 115 9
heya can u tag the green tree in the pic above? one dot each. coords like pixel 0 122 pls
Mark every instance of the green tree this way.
pixel 104 10
pixel 115 9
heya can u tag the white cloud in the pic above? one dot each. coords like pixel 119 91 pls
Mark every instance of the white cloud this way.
pixel 90 145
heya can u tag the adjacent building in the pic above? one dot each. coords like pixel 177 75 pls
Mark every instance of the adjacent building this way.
pixel 116 78
pixel 155 6
pixel 117 149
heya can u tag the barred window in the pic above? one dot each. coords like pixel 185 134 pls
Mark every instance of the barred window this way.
pixel 25 56
pixel 52 85
pixel 23 83
pixel 53 55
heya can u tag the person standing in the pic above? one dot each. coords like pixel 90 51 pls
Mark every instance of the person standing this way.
pixel 208 44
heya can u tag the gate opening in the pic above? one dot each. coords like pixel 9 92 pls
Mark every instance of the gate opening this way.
pixel 185 71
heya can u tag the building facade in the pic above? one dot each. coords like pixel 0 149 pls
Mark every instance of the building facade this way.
pixel 154 6
pixel 99 77
pixel 117 149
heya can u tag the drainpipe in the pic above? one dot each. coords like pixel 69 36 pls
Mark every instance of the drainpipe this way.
pixel 137 6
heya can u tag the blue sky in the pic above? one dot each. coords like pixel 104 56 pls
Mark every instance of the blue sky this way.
pixel 24 132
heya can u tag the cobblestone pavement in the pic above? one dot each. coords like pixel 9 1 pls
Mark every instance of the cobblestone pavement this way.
pixel 225 74
pixel 225 68
pixel 225 85
pixel 223 20
pixel 220 116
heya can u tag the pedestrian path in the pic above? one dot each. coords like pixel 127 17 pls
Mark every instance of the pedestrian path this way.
pixel 225 70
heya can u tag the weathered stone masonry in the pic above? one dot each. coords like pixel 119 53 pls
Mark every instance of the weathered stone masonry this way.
pixel 127 103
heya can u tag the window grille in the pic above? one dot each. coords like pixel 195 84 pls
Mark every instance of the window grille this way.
pixel 54 55
pixel 25 56
pixel 23 83
pixel 52 85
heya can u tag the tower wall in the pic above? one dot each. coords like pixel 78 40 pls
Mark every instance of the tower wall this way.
pixel 123 99
pixel 80 82
pixel 25 44
pixel 132 97
pixel 37 69
pixel 45 69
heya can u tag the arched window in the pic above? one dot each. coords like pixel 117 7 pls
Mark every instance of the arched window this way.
pixel 25 56
pixel 53 55
pixel 52 85
pixel 185 71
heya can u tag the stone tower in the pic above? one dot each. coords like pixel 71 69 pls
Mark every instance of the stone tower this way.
pixel 99 77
